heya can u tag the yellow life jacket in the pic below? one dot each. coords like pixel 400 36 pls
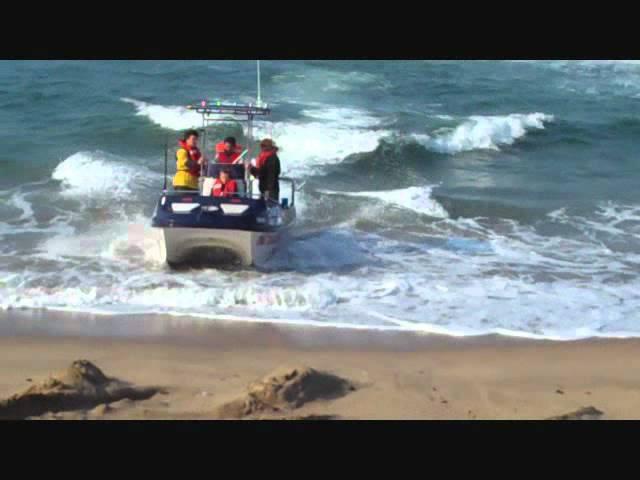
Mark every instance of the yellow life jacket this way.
pixel 187 168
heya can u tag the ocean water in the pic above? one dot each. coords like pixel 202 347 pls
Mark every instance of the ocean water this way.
pixel 456 197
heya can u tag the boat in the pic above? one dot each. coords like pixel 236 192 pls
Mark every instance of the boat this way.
pixel 244 229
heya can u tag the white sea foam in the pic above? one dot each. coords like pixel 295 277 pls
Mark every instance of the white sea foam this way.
pixel 520 283
pixel 18 200
pixel 452 297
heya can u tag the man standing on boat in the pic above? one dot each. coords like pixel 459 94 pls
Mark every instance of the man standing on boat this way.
pixel 228 151
pixel 188 162
pixel 267 170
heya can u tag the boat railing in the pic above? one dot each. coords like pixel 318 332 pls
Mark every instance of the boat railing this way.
pixel 284 201
pixel 292 200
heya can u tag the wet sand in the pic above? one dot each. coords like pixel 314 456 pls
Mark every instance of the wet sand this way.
pixel 196 367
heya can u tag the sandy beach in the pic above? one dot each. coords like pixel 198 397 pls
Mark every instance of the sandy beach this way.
pixel 195 370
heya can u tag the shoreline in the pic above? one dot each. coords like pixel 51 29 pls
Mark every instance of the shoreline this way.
pixel 195 330
pixel 199 365
pixel 23 321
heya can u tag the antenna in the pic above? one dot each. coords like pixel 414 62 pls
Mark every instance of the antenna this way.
pixel 259 100
pixel 166 149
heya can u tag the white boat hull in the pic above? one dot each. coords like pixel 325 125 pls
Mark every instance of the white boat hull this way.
pixel 246 248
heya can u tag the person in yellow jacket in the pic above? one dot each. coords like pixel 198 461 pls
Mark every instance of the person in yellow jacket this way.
pixel 188 162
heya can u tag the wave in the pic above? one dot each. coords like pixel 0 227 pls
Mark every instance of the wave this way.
pixel 171 117
pixel 344 117
pixel 321 80
pixel 613 225
pixel 308 147
pixel 332 135
pixel 117 240
pixel 19 201
pixel 484 133
pixel 458 277
pixel 417 199
pixel 102 228
pixel 101 175
pixel 147 293
pixel 458 303
pixel 600 78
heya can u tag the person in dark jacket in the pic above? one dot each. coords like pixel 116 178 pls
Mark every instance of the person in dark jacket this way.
pixel 267 170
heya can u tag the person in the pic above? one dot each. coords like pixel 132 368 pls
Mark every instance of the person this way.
pixel 228 151
pixel 224 186
pixel 267 170
pixel 189 161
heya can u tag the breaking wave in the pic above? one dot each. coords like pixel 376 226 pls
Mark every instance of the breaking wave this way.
pixel 100 174
pixel 484 132
pixel 417 199
pixel 172 117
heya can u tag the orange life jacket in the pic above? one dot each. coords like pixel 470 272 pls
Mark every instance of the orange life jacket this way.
pixel 263 157
pixel 227 158
pixel 224 189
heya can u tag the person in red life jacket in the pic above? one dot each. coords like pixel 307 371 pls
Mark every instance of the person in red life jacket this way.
pixel 228 151
pixel 189 161
pixel 224 186
pixel 267 170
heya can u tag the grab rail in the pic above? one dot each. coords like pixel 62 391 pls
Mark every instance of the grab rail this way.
pixel 293 188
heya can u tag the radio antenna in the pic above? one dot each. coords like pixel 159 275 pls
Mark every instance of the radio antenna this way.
pixel 259 100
